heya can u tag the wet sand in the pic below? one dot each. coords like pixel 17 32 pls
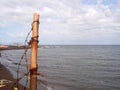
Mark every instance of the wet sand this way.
pixel 6 75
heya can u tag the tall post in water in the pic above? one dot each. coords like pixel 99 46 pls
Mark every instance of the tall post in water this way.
pixel 34 47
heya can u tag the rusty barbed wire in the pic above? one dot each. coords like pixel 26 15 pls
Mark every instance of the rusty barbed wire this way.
pixel 26 46
pixel 24 57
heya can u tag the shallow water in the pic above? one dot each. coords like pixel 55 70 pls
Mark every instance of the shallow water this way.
pixel 74 67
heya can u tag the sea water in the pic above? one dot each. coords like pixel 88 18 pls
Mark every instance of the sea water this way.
pixel 81 67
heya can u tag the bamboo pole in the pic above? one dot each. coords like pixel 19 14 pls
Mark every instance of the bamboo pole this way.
pixel 33 59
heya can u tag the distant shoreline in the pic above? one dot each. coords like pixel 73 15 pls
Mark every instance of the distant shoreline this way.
pixel 41 46
pixel 14 48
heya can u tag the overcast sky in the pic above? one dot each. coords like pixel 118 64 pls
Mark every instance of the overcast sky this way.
pixel 61 21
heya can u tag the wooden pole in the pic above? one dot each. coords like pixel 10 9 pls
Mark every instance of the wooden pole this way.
pixel 33 59
pixel 0 54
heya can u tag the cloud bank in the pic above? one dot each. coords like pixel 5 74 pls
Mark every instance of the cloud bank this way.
pixel 62 21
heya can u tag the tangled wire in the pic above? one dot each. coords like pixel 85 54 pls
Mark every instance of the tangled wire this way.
pixel 23 57
pixel 27 72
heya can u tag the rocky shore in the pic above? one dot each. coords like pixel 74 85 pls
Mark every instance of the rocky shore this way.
pixel 7 81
